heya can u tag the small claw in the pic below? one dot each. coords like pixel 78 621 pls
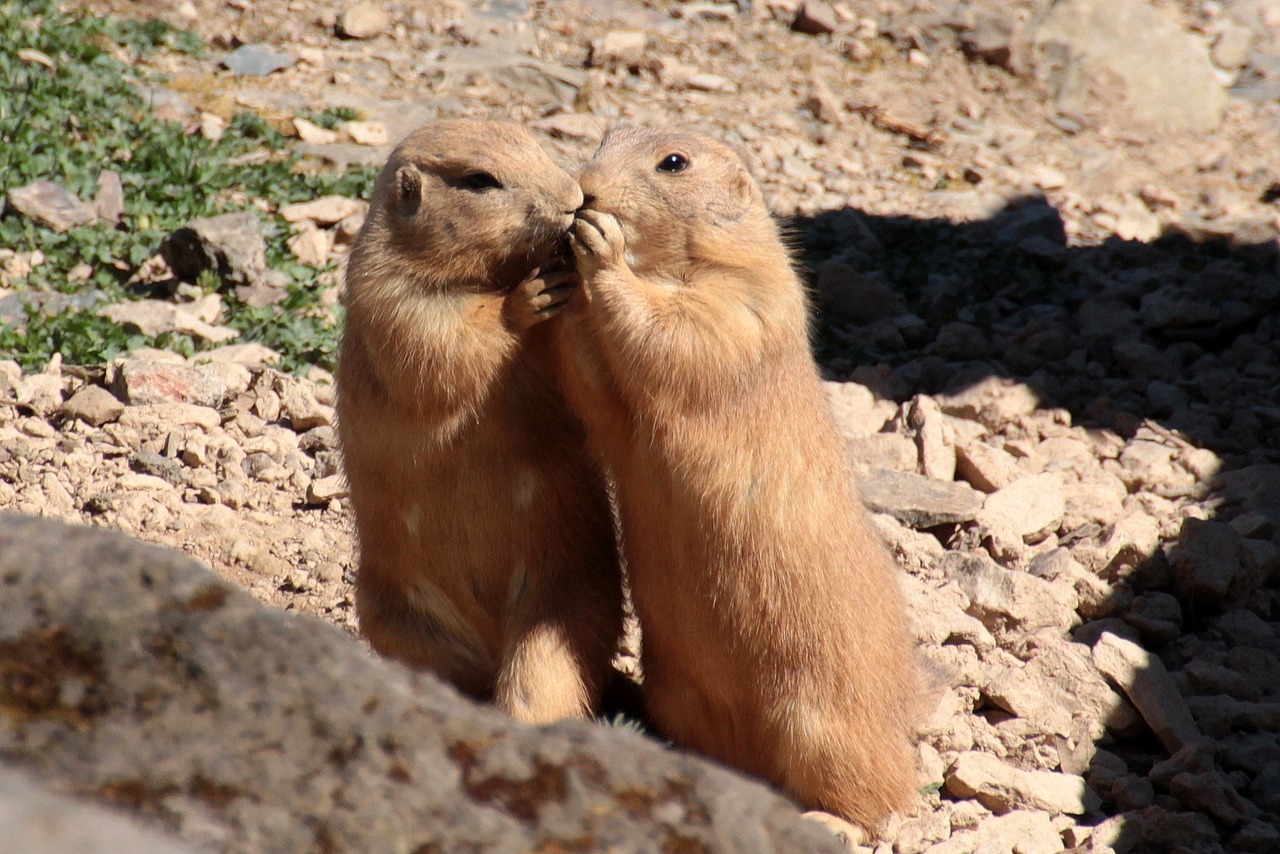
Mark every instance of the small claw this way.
pixel 553 297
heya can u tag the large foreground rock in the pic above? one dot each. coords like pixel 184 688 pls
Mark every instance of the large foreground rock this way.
pixel 36 821
pixel 132 675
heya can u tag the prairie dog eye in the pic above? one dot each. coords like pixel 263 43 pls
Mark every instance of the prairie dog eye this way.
pixel 674 162
pixel 480 181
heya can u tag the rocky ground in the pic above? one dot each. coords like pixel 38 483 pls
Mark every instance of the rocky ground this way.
pixel 1048 294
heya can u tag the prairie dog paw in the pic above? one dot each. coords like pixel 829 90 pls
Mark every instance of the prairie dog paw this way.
pixel 850 835
pixel 597 241
pixel 538 298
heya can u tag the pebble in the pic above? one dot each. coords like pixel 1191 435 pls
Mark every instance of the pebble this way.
pixel 1002 787
pixel 93 405
pixel 255 60
pixel 364 20
pixel 51 205
pixel 918 501
pixel 1145 681
pixel 815 18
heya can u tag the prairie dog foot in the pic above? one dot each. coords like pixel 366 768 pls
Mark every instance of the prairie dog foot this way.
pixel 850 835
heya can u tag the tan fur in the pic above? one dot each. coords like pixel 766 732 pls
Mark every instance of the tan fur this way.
pixel 774 637
pixel 486 545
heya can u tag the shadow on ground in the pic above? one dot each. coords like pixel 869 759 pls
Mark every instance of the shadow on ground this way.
pixel 1177 340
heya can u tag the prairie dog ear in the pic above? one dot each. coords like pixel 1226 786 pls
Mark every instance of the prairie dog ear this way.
pixel 408 189
pixel 738 198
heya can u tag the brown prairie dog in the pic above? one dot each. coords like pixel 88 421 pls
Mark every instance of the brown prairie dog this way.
pixel 486 546
pixel 774 637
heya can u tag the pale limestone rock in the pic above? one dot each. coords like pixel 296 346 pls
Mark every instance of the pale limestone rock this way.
pixel 1145 681
pixel 1031 505
pixel 986 467
pixel 93 405
pixel 1004 788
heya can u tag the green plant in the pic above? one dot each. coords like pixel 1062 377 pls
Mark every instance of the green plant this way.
pixel 67 123
pixel 332 117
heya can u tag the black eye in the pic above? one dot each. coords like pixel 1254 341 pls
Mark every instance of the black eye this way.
pixel 480 181
pixel 673 163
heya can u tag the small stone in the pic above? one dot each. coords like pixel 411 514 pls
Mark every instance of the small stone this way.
pixel 705 81
pixel 1145 681
pixel 311 245
pixel 311 132
pixel 991 37
pixel 1241 627
pixel 1032 504
pixel 212 126
pixel 298 403
pixel 255 60
pixel 1157 615
pixel 1144 361
pixel 1211 565
pixel 364 21
pixel 261 467
pixel 1219 715
pixel 961 341
pixel 1257 837
pixel 993 402
pixel 881 451
pixel 366 133
pixel 1231 50
pixel 231 245
pixel 52 206
pixel 109 201
pixel 986 467
pixel 1007 600
pixel 42 393
pixel 1205 677
pixel 918 501
pixel 619 47
pixel 1003 788
pixel 855 295
pixel 325 489
pixel 938 615
pixel 93 405
pixel 157 465
pixel 1132 792
pixel 324 211
pixel 151 317
pixel 935 438
pixel 823 103
pixel 170 415
pixel 1212 793
pixel 815 18
pixel 140 381
pixel 1266 787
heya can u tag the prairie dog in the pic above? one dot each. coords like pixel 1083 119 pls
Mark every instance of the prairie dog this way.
pixel 774 634
pixel 486 545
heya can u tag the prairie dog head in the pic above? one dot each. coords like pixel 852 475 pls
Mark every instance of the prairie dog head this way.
pixel 466 204
pixel 682 199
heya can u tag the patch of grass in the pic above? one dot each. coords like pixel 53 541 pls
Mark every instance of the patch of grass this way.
pixel 68 123
pixel 333 116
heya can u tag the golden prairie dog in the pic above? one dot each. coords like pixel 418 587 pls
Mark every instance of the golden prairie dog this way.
pixel 774 636
pixel 486 547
